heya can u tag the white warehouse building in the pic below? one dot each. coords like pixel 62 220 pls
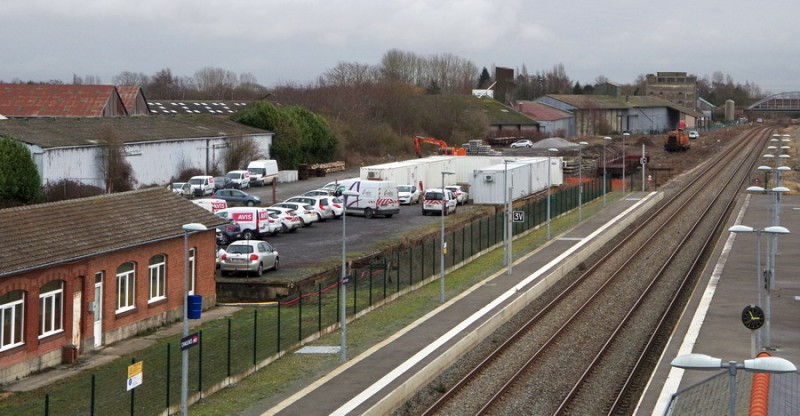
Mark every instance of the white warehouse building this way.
pixel 157 148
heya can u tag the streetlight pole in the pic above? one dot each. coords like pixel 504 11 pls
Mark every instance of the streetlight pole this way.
pixel 774 231
pixel 187 228
pixel 774 365
pixel 624 135
pixel 772 245
pixel 444 243
pixel 580 180
pixel 343 279
pixel 508 257
pixel 549 185
pixel 605 177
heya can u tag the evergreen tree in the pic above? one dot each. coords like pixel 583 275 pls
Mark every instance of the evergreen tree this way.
pixel 20 182
pixel 577 89
pixel 483 80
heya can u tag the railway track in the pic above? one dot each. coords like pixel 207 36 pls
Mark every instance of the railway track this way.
pixel 589 349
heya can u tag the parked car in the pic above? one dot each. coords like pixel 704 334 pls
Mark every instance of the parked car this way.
pixel 408 194
pixel 228 233
pixel 290 222
pixel 461 195
pixel 181 188
pixel 202 185
pixel 306 213
pixel 222 182
pixel 522 143
pixel 320 203
pixel 240 178
pixel 693 134
pixel 249 256
pixel 435 199
pixel 319 192
pixel 237 197
pixel 337 203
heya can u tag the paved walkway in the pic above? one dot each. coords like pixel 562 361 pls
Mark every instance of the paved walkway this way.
pixel 114 351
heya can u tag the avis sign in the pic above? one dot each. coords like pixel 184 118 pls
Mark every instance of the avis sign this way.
pixel 189 341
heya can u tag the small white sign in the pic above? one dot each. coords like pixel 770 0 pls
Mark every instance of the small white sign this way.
pixel 519 216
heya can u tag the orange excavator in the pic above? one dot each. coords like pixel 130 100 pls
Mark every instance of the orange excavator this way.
pixel 444 148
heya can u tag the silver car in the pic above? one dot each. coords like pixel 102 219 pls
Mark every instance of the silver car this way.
pixel 248 256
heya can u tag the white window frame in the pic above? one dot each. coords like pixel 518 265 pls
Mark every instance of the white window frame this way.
pixel 126 299
pixel 158 278
pixel 51 311
pixel 16 309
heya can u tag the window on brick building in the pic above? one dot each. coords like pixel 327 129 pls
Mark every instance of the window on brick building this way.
pixel 126 287
pixel 12 319
pixel 51 308
pixel 158 277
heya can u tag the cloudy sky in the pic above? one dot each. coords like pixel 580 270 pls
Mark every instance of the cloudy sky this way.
pixel 298 40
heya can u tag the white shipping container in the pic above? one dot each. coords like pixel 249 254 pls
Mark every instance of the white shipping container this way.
pixel 524 177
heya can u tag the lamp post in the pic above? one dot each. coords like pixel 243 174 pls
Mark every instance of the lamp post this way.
pixel 444 243
pixel 775 230
pixel 343 280
pixel 549 185
pixel 772 247
pixel 508 257
pixel 580 179
pixel 774 365
pixel 187 228
pixel 624 135
pixel 605 179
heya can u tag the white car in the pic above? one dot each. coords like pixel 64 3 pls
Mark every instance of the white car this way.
pixel 461 195
pixel 181 188
pixel 289 220
pixel 306 213
pixel 435 199
pixel 319 192
pixel 408 194
pixel 522 143
pixel 337 203
pixel 693 134
pixel 322 204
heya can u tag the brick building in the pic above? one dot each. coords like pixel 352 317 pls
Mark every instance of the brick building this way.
pixel 81 274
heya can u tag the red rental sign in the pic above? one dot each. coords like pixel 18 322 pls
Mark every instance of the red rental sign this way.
pixel 242 216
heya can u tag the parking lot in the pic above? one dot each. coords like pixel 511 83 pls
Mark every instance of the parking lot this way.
pixel 321 242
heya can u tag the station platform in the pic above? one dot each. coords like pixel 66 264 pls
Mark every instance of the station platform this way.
pixel 373 382
pixel 712 322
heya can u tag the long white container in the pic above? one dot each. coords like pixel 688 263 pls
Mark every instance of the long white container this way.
pixel 524 177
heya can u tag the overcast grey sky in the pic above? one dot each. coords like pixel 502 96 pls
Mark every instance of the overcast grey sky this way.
pixel 296 41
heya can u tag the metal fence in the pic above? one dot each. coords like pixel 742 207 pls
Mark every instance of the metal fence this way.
pixel 231 348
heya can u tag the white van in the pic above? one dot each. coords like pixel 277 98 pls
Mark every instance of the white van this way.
pixel 262 171
pixel 211 204
pixel 437 199
pixel 202 185
pixel 240 178
pixel 374 197
pixel 255 222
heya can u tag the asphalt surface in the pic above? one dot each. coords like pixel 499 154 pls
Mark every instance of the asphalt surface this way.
pixel 308 247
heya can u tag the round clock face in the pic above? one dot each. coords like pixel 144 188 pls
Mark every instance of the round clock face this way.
pixel 753 317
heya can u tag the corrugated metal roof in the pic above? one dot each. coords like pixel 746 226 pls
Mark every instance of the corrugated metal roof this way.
pixel 66 132
pixel 65 231
pixel 128 95
pixel 606 102
pixel 542 112
pixel 44 100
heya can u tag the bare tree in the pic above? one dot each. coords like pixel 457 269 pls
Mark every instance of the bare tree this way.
pixel 130 78
pixel 215 83
pixel 349 74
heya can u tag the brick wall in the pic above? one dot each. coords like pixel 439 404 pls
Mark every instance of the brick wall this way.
pixel 36 354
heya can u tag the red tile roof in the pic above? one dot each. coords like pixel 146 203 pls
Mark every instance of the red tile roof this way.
pixel 41 100
pixel 128 95
pixel 541 112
